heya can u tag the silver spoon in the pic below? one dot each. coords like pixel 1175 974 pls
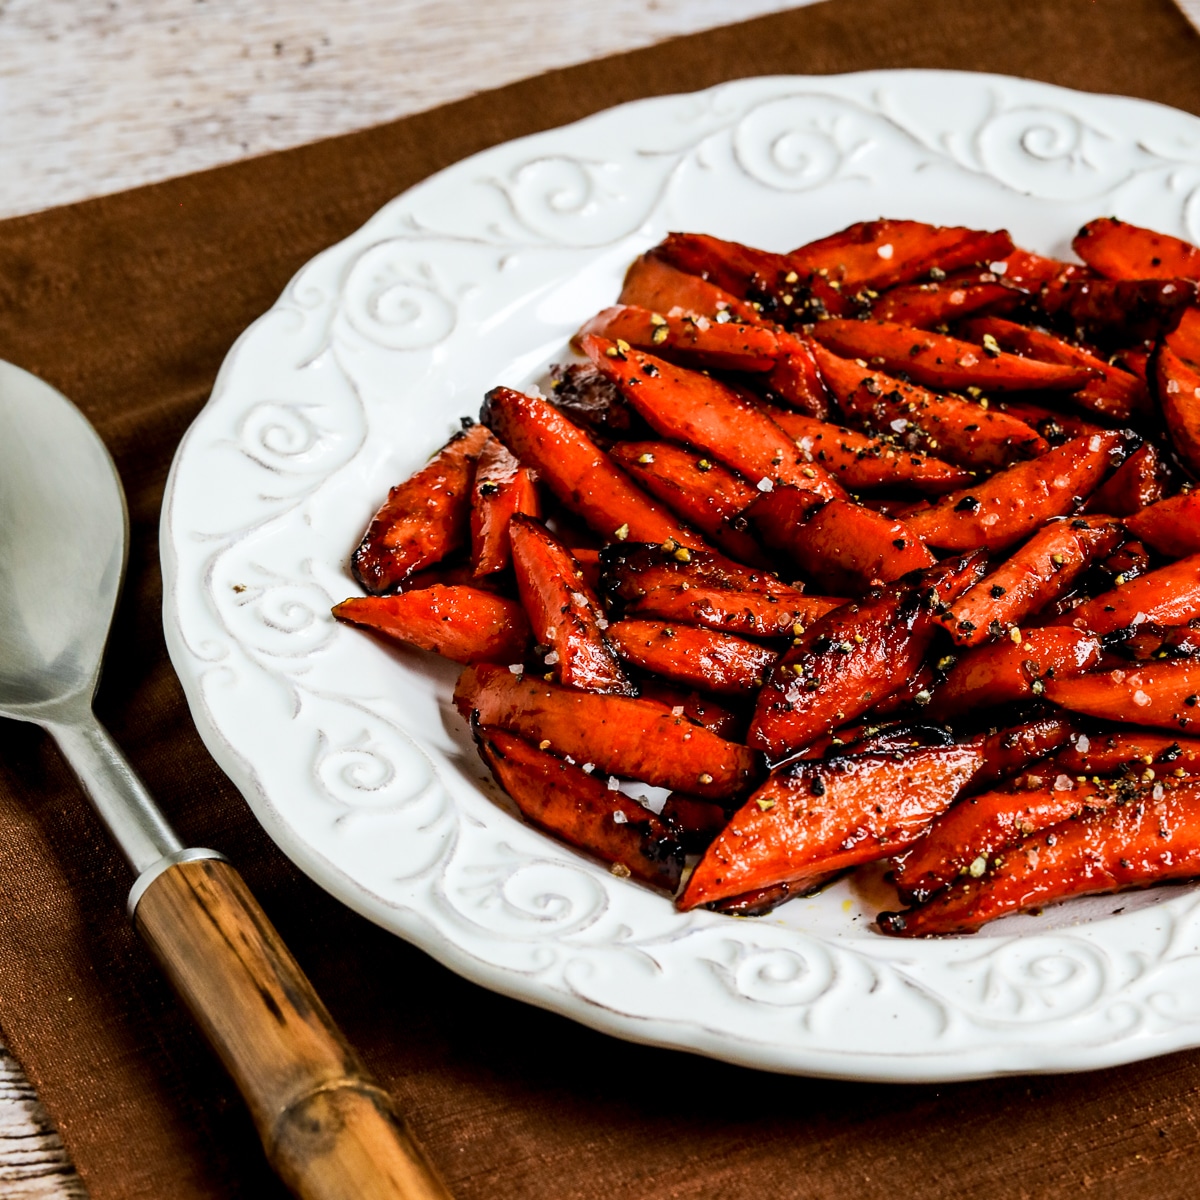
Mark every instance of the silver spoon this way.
pixel 328 1129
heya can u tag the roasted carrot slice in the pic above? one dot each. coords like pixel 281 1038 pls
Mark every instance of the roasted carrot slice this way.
pixel 697 707
pixel 1177 383
pixel 692 657
pixel 1124 846
pixel 689 407
pixel 1121 310
pixel 1014 502
pixel 654 284
pixel 563 612
pixel 502 488
pixel 580 474
pixel 1118 250
pixel 924 305
pixel 1041 571
pixel 582 811
pixel 594 403
pixel 1111 392
pixel 423 519
pixel 943 362
pixel 881 254
pixel 965 838
pixel 843 547
pixel 1168 596
pixel 1146 755
pixel 465 624
pixel 962 432
pixel 1053 424
pixel 695 822
pixel 693 341
pixel 795 379
pixel 1141 643
pixel 1164 695
pixel 634 738
pixel 858 460
pixel 705 589
pixel 1136 483
pixel 1028 271
pixel 762 901
pixel 1013 669
pixel 1008 751
pixel 1171 526
pixel 701 491
pixel 854 657
pixel 811 818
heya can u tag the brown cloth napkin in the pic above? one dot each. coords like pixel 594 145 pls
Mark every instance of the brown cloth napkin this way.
pixel 128 304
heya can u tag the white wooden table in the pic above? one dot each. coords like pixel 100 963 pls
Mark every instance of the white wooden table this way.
pixel 95 98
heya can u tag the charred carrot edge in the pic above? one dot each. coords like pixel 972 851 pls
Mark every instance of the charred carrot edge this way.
pixel 853 657
pixel 961 431
pixel 464 624
pixel 1121 309
pixel 1177 384
pixel 1043 569
pixel 859 461
pixel 1119 250
pixel 702 492
pixel 563 612
pixel 1168 596
pixel 699 708
pixel 1013 669
pixel 501 489
pixel 816 817
pixel 686 406
pixel 696 822
pixel 634 738
pixel 943 362
pixel 1130 845
pixel 582 811
pixel 693 657
pixel 1014 502
pixel 1163 695
pixel 652 283
pixel 423 519
pixel 582 477
pixel 1171 526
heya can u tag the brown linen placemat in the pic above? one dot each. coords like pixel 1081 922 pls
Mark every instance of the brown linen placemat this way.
pixel 128 303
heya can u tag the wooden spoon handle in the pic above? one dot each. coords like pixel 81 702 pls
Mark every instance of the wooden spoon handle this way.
pixel 329 1131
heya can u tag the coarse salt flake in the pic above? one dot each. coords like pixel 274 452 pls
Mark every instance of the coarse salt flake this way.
pixel 1083 743
pixel 1094 443
pixel 614 784
pixel 517 668
pixel 765 485
pixel 1140 698
pixel 886 250
pixel 1064 783
pixel 619 818
pixel 551 659
pixel 899 425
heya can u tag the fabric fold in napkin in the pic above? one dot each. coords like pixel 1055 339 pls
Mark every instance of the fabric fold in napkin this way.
pixel 128 304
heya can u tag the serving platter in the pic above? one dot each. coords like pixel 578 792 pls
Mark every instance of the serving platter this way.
pixel 350 753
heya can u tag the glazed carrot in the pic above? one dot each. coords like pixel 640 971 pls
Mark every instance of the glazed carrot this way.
pixel 698 708
pixel 1111 392
pixel 853 657
pixel 689 407
pixel 460 623
pixel 635 738
pixel 857 460
pixel 881 254
pixel 1043 569
pixel 692 657
pixel 843 547
pixel 1013 669
pixel 1135 750
pixel 1119 250
pixel 1135 484
pixel 423 519
pixel 563 612
pixel 652 283
pixel 582 477
pixel 943 362
pixel 1122 310
pixel 1008 751
pixel 593 403
pixel 695 822
pixel 502 488
pixel 765 900
pixel 924 305
pixel 1177 384
pixel 967 836
pixel 811 818
pixel 962 432
pixel 1163 695
pixel 1053 424
pixel 1014 502
pixel 1124 846
pixel 795 379
pixel 705 589
pixel 702 492
pixel 1168 596
pixel 1171 526
pixel 1028 271
pixel 583 811
pixel 693 341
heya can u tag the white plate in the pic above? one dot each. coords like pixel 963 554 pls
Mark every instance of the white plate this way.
pixel 352 756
